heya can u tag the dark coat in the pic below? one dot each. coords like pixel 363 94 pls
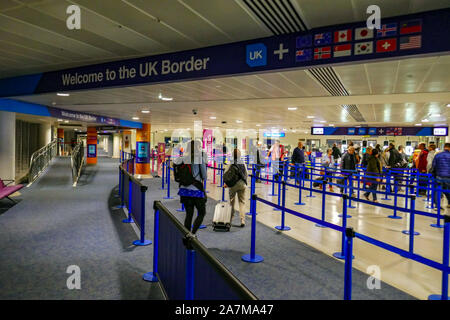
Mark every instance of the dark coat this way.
pixel 373 168
pixel 348 162
pixel 298 156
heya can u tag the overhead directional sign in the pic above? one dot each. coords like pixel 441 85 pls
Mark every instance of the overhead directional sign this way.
pixel 424 33
pixel 380 131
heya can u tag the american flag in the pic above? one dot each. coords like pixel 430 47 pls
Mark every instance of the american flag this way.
pixel 410 42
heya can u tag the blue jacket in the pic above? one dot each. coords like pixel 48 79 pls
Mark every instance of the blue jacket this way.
pixel 298 156
pixel 441 164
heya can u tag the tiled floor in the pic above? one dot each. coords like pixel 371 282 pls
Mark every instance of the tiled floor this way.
pixel 410 276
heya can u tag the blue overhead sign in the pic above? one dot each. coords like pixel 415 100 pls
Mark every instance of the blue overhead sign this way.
pixel 424 33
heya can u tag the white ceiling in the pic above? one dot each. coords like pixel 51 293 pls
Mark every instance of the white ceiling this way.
pixel 34 38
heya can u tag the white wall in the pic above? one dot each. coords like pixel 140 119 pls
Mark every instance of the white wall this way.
pixel 45 134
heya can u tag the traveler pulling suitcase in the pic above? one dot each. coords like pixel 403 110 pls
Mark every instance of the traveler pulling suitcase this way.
pixel 222 217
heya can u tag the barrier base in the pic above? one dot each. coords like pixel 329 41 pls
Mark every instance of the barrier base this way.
pixel 320 225
pixel 407 232
pixel 248 258
pixel 127 220
pixel 168 198
pixel 341 216
pixel 299 203
pixel 285 228
pixel 435 225
pixel 351 207
pixel 436 297
pixel 150 277
pixel 340 255
pixel 394 217
pixel 139 243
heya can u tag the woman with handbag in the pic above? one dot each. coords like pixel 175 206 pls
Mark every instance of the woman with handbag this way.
pixel 373 171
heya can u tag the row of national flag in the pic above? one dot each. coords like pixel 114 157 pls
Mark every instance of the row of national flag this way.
pixel 359 48
pixel 363 33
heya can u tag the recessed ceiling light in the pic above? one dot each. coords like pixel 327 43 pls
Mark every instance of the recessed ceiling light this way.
pixel 322 121
pixel 448 105
pixel 60 120
pixel 310 117
pixel 66 121
pixel 213 118
pixel 238 121
pixel 63 94
pixel 164 98
pixel 135 118
pixel 418 124
pixel 145 111
pixel 425 120
pixel 258 125
pixel 292 108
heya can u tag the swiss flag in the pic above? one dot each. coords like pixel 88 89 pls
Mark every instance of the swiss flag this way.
pixel 387 45
pixel 343 35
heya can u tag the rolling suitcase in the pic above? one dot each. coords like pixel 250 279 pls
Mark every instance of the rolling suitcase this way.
pixel 222 217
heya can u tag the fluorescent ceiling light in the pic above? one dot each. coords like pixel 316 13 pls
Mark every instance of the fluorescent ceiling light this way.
pixel 238 121
pixel 310 117
pixel 418 124
pixel 135 118
pixel 425 120
pixel 63 94
pixel 66 121
pixel 322 121
pixel 331 125
pixel 164 98
pixel 258 125
pixel 145 111
pixel 60 120
pixel 292 108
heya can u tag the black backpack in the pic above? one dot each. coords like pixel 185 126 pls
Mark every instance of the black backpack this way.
pixel 183 174
pixel 232 176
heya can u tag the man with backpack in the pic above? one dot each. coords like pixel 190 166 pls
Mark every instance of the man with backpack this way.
pixel 190 172
pixel 336 153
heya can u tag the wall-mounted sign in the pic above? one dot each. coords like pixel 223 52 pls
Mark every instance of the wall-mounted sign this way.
pixel 142 152
pixel 380 131
pixel 274 134
pixel 440 131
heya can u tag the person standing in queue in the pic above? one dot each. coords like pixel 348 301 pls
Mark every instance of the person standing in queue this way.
pixel 441 172
pixel 421 165
pixel 374 175
pixel 193 196
pixel 328 162
pixel 336 153
pixel 238 189
pixel 348 165
pixel 275 154
pixel 298 158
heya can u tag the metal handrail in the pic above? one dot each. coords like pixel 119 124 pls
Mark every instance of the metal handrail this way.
pixel 77 160
pixel 40 160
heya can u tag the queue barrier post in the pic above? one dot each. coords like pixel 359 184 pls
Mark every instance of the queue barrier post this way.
pixel 350 234
pixel 182 208
pixel 394 216
pixel 221 176
pixel 341 255
pixel 279 192
pixel 142 241
pixel 163 175
pixel 153 275
pixel 168 181
pixel 311 178
pixel 121 193
pixel 252 188
pixel 130 201
pixel 324 190
pixel 273 182
pixel 387 185
pixel 283 227
pixel 437 197
pixel 300 187
pixel 350 190
pixel 445 262
pixel 253 257
pixel 411 231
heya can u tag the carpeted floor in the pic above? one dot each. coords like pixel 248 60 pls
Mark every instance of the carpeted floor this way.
pixel 55 226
